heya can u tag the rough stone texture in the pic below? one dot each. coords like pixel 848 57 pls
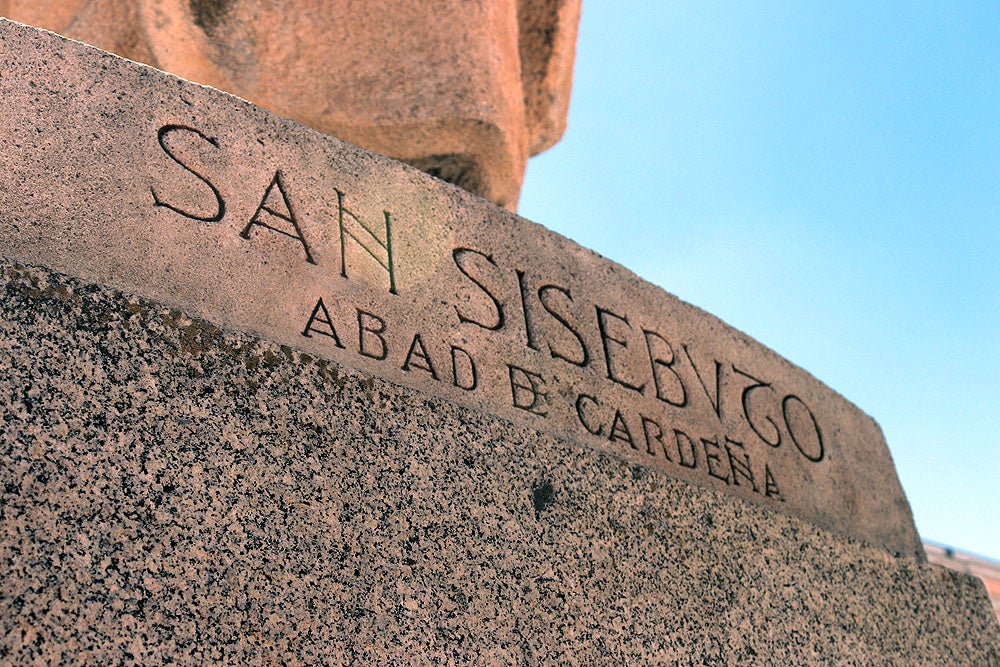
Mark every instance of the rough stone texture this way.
pixel 547 47
pixel 173 493
pixel 131 178
pixel 462 89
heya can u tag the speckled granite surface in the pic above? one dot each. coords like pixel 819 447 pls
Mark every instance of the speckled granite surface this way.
pixel 174 494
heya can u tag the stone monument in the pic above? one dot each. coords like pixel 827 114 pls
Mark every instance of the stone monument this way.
pixel 270 397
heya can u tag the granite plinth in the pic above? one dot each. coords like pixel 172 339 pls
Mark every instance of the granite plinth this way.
pixel 132 178
pixel 172 492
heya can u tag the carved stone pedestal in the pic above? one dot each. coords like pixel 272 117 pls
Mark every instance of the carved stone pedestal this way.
pixel 267 397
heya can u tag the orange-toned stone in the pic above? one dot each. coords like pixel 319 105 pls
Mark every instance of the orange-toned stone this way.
pixel 464 90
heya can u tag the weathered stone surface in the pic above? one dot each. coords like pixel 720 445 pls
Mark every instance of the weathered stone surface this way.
pixel 175 494
pixel 462 89
pixel 547 47
pixel 123 175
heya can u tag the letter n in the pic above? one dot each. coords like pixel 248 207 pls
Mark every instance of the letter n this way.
pixel 367 236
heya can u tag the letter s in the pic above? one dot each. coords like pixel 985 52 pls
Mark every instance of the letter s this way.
pixel 456 255
pixel 161 137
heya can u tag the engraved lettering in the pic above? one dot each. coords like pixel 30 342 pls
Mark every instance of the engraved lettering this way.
pixel 458 255
pixel 619 430
pixel 469 379
pixel 581 360
pixel 717 401
pixel 322 316
pixel 417 357
pixel 740 467
pixel 815 453
pixel 771 489
pixel 681 435
pixel 368 236
pixel 288 215
pixel 607 338
pixel 367 331
pixel 583 420
pixel 775 440
pixel 529 332
pixel 657 436
pixel 713 457
pixel 220 204
pixel 656 363
pixel 526 390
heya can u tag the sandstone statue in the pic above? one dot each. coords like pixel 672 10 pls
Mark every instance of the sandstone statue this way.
pixel 464 89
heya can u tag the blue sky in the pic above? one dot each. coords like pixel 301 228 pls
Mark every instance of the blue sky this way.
pixel 826 179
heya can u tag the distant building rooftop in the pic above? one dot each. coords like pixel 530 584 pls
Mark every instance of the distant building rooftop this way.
pixel 979 566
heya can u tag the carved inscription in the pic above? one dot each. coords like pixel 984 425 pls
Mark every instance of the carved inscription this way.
pixel 164 137
pixel 620 353
pixel 275 212
pixel 282 212
pixel 642 360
